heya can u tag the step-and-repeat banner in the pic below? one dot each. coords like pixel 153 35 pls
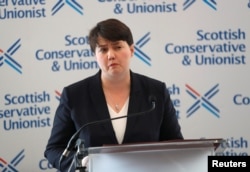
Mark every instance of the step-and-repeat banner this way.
pixel 200 48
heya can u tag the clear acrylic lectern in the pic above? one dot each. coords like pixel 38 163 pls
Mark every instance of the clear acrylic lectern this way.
pixel 171 156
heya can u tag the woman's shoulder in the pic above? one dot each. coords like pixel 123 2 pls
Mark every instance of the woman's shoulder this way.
pixel 145 79
pixel 85 82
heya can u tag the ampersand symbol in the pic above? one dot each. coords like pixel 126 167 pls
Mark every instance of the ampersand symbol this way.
pixel 55 66
pixel 118 9
pixel 186 60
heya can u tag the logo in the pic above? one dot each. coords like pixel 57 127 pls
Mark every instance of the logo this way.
pixel 203 100
pixel 7 56
pixel 58 95
pixel 11 167
pixel 72 3
pixel 211 3
pixel 140 54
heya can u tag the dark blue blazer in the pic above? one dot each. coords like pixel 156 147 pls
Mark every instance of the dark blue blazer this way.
pixel 84 102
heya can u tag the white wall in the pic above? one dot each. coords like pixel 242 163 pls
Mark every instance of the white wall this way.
pixel 28 71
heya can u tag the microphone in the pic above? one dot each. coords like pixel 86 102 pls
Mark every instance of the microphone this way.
pixel 73 139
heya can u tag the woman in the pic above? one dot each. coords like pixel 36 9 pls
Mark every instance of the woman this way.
pixel 112 92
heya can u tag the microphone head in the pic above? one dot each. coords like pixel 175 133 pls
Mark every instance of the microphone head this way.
pixel 152 99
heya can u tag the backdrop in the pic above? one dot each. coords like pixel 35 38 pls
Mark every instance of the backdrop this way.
pixel 200 48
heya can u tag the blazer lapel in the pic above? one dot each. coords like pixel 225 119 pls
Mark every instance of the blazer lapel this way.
pixel 134 105
pixel 98 98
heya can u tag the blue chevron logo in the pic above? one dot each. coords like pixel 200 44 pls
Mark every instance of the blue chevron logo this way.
pixel 12 165
pixel 203 100
pixel 6 57
pixel 211 3
pixel 71 3
pixel 139 53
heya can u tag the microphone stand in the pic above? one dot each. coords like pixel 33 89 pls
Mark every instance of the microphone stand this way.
pixel 79 155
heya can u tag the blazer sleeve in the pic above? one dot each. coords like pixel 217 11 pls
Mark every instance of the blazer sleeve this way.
pixel 170 128
pixel 61 133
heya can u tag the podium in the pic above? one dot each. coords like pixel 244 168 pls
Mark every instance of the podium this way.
pixel 171 156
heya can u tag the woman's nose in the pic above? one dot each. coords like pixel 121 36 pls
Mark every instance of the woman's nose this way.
pixel 111 55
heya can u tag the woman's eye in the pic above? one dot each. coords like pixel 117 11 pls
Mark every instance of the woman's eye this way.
pixel 102 49
pixel 118 47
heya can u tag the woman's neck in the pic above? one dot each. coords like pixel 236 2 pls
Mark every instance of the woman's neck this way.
pixel 116 92
pixel 116 83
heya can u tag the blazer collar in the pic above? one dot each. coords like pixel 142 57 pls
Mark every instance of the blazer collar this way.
pixel 97 96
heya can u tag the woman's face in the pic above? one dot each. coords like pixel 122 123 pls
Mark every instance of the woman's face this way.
pixel 113 57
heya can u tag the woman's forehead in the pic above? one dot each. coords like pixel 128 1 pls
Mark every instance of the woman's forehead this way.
pixel 101 41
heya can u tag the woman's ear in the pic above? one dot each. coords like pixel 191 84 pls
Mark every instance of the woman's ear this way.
pixel 132 49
